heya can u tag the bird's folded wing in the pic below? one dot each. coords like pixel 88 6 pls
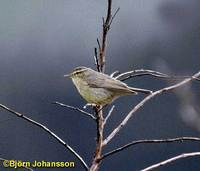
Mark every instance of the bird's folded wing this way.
pixel 110 84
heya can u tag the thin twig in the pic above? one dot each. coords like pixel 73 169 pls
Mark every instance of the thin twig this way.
pixel 98 42
pixel 146 71
pixel 141 72
pixel 48 131
pixel 109 13
pixel 109 114
pixel 77 109
pixel 99 138
pixel 168 77
pixel 106 28
pixel 98 109
pixel 114 73
pixel 140 104
pixel 6 164
pixel 103 20
pixel 96 59
pixel 165 162
pixel 168 140
pixel 114 15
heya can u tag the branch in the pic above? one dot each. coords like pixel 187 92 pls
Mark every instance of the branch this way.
pixel 48 131
pixel 114 73
pixel 165 162
pixel 142 72
pixel 132 73
pixel 99 138
pixel 98 109
pixel 6 164
pixel 109 114
pixel 106 27
pixel 77 109
pixel 98 42
pixel 96 58
pixel 168 140
pixel 146 99
pixel 114 16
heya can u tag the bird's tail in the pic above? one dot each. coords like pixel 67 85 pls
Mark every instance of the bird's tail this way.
pixel 139 90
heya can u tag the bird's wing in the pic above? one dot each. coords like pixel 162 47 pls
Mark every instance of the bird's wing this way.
pixel 109 83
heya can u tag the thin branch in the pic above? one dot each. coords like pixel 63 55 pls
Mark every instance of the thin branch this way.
pixel 77 109
pixel 96 59
pixel 146 99
pixel 109 114
pixel 114 73
pixel 98 42
pixel 168 140
pixel 99 138
pixel 106 28
pixel 168 77
pixel 114 15
pixel 109 13
pixel 165 162
pixel 98 109
pixel 6 164
pixel 48 131
pixel 103 20
pixel 141 72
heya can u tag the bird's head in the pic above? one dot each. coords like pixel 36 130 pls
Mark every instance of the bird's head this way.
pixel 78 72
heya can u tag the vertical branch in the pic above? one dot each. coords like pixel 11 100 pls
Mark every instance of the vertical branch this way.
pixel 100 63
pixel 96 59
pixel 106 27
pixel 99 138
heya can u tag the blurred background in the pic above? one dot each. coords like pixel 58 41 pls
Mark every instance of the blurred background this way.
pixel 40 41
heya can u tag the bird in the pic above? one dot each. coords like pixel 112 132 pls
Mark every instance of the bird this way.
pixel 98 88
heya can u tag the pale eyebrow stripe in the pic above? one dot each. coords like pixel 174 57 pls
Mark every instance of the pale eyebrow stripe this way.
pixel 75 72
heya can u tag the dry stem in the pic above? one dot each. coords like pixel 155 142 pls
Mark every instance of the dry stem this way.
pixel 133 143
pixel 48 131
pixel 165 162
pixel 139 105
pixel 77 109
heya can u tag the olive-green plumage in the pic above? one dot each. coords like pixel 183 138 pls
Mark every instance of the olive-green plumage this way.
pixel 98 88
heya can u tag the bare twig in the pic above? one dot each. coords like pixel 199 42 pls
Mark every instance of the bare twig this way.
pixel 96 59
pixel 99 138
pixel 139 105
pixel 103 20
pixel 159 76
pixel 114 15
pixel 109 14
pixel 114 73
pixel 7 162
pixel 142 72
pixel 168 140
pixel 109 114
pixel 98 42
pixel 48 131
pixel 98 109
pixel 106 27
pixel 165 162
pixel 77 109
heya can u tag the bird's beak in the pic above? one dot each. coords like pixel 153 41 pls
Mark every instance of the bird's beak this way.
pixel 67 75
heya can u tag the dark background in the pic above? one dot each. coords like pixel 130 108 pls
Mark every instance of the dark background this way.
pixel 40 41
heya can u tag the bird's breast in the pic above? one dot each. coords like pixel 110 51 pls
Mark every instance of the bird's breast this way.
pixel 98 96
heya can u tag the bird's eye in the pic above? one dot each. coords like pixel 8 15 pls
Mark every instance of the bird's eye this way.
pixel 76 73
